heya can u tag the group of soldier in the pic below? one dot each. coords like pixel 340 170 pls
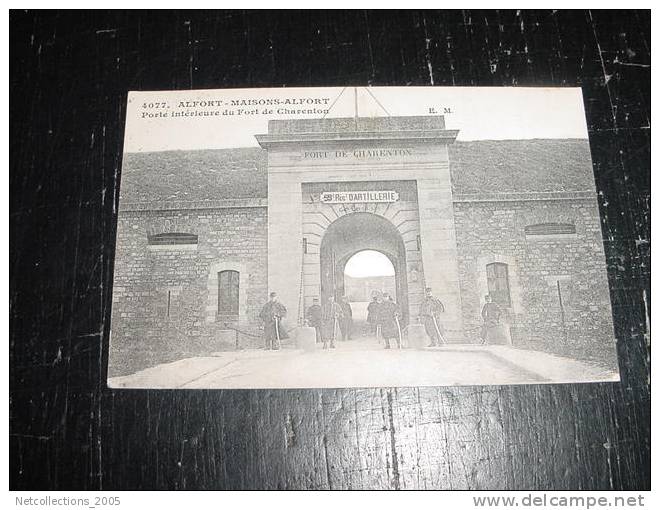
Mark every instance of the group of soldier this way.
pixel 384 317
pixel 331 321
pixel 334 320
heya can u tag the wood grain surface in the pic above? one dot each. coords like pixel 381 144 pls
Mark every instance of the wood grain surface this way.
pixel 69 75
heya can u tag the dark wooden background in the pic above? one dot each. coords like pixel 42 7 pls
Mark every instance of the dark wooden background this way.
pixel 69 75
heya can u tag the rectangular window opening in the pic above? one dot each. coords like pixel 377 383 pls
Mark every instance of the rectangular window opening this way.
pixel 228 294
pixel 548 229
pixel 171 238
pixel 497 275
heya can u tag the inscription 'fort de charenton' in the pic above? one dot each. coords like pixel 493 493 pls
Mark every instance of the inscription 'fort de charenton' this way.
pixel 358 153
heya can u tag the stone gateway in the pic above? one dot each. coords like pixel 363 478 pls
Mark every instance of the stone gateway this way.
pixel 204 236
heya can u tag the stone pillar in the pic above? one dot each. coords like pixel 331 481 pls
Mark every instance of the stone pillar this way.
pixel 285 241
pixel 439 253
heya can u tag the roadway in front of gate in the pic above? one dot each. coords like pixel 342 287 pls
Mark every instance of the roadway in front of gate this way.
pixel 366 363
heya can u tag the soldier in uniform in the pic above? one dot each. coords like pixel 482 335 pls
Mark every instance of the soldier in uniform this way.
pixel 314 317
pixel 332 315
pixel 491 314
pixel 372 314
pixel 430 310
pixel 271 314
pixel 346 323
pixel 388 313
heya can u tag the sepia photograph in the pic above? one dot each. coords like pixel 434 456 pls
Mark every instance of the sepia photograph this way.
pixel 358 237
pixel 314 251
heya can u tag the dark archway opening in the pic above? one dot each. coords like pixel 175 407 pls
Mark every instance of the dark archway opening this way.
pixel 355 233
pixel 366 274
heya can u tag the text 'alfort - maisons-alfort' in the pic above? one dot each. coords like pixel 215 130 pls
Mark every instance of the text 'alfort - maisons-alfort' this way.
pixel 275 101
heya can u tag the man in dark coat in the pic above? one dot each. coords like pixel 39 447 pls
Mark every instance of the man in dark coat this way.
pixel 271 314
pixel 314 317
pixel 346 323
pixel 430 312
pixel 491 314
pixel 372 313
pixel 389 314
pixel 332 315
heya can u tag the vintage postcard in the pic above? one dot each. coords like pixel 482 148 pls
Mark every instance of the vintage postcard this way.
pixel 358 237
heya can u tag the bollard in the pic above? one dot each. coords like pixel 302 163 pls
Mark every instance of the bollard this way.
pixel 417 337
pixel 499 335
pixel 306 338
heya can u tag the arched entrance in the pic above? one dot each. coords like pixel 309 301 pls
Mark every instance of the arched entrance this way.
pixel 367 274
pixel 354 233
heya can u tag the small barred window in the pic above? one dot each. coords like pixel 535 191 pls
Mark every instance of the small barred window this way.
pixel 171 238
pixel 549 229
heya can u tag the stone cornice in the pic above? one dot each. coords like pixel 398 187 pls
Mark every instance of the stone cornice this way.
pixel 524 196
pixel 247 203
pixel 171 205
pixel 283 140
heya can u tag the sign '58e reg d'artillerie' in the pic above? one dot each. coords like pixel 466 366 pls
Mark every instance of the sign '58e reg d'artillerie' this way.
pixel 353 197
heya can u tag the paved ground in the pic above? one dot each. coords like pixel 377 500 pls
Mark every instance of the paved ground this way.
pixel 364 363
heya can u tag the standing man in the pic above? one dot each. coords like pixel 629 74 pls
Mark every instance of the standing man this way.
pixel 430 311
pixel 332 315
pixel 372 314
pixel 314 317
pixel 271 314
pixel 389 314
pixel 491 314
pixel 347 319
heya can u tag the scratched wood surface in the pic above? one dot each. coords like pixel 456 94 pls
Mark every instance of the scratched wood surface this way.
pixel 69 74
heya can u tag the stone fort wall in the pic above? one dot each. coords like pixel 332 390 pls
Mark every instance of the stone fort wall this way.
pixel 165 297
pixel 494 231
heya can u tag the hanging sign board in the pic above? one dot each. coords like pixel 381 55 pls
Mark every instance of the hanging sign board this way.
pixel 353 197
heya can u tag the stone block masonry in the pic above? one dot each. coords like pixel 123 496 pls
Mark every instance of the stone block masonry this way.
pixel 165 297
pixel 528 206
pixel 560 299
